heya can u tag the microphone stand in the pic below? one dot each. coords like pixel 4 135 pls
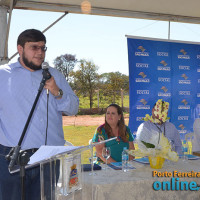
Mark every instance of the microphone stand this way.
pixel 16 156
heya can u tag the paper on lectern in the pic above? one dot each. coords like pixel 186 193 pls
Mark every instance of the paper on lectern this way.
pixel 46 152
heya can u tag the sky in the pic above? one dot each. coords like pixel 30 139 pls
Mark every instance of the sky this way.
pixel 100 39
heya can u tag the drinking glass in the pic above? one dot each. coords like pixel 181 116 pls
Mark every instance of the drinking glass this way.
pixel 93 160
pixel 106 154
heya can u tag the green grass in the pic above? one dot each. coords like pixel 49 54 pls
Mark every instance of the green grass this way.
pixel 78 136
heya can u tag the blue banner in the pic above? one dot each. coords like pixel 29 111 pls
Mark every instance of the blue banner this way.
pixel 168 70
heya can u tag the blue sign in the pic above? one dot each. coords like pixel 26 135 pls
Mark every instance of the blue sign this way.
pixel 165 70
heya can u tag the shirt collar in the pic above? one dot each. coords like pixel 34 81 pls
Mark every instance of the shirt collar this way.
pixel 16 65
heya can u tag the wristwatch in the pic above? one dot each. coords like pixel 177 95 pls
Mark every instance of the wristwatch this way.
pixel 60 94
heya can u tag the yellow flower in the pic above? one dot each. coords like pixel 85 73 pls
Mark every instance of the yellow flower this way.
pixel 160 111
pixel 163 149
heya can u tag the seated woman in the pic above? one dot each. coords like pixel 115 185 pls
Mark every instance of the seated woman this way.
pixel 114 127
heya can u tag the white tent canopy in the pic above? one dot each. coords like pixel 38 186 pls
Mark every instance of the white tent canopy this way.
pixel 173 10
pixel 166 10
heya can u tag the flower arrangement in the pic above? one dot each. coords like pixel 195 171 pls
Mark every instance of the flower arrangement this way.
pixel 160 111
pixel 155 145
pixel 155 149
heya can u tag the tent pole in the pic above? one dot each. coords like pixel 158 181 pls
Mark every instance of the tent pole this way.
pixel 169 30
pixel 3 33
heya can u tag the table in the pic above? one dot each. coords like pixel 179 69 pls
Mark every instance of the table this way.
pixel 137 184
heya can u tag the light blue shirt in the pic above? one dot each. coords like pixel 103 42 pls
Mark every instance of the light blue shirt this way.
pixel 18 90
pixel 167 128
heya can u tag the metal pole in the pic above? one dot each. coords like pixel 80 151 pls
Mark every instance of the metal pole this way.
pixel 8 30
pixel 169 31
pixel 3 28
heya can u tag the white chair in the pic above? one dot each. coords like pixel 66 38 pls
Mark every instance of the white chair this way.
pixel 67 143
pixel 196 126
pixel 92 150
pixel 90 142
pixel 196 140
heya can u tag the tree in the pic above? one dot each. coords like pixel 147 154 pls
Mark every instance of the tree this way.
pixel 111 85
pixel 65 64
pixel 85 79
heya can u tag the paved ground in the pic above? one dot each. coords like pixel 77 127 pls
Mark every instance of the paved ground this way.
pixel 85 120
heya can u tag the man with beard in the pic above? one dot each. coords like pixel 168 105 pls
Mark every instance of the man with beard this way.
pixel 20 82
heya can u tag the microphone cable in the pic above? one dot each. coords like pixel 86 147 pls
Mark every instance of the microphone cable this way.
pixel 47 117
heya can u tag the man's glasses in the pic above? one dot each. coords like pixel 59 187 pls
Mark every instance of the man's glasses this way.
pixel 36 48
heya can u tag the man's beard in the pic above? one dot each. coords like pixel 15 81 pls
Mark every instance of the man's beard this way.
pixel 30 65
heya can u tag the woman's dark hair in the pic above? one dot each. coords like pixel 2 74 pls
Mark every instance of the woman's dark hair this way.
pixel 121 124
pixel 30 35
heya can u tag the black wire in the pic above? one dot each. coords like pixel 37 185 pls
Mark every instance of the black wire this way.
pixel 47 116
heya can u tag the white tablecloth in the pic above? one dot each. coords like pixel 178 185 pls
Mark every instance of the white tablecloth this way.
pixel 137 184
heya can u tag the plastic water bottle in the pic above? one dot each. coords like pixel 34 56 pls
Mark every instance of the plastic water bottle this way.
pixel 185 150
pixel 124 160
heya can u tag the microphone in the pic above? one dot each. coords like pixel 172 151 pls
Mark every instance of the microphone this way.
pixel 46 74
pixel 45 68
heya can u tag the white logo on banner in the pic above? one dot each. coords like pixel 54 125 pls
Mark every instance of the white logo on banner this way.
pixel 185 118
pixel 142 53
pixel 198 70
pixel 181 126
pixel 164 67
pixel 182 131
pixel 162 53
pixel 160 68
pixel 188 82
pixel 198 56
pixel 142 91
pixel 185 81
pixel 198 94
pixel 185 106
pixel 142 65
pixel 184 56
pixel 198 80
pixel 144 106
pixel 143 79
pixel 161 79
pixel 164 94
pixel 184 92
pixel 184 67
